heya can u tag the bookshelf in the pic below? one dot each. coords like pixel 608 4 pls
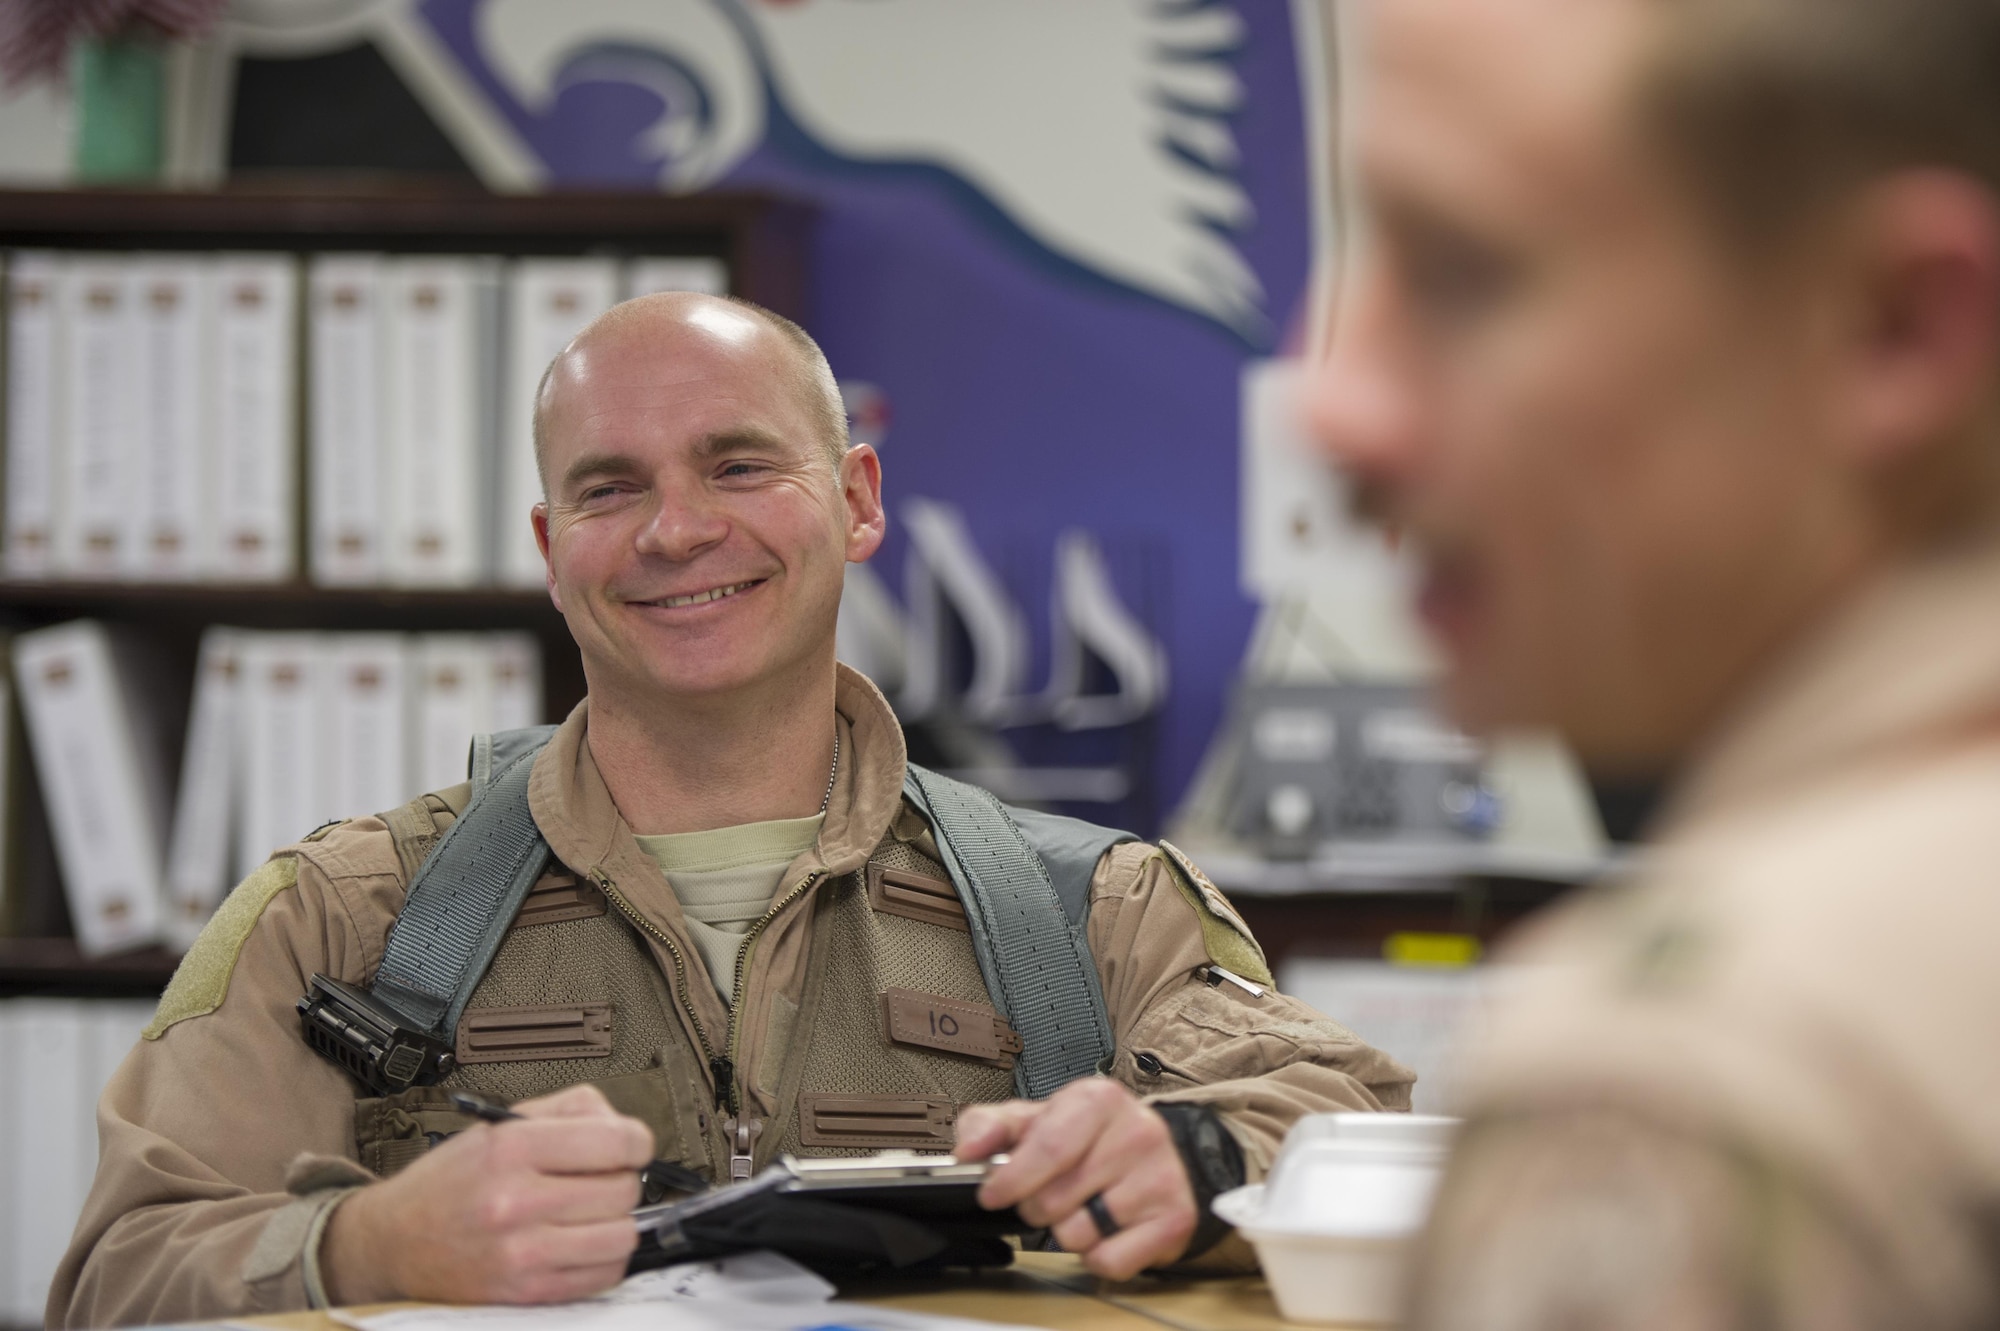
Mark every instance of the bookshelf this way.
pixel 760 238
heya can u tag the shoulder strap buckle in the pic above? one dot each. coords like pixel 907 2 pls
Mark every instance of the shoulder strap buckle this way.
pixel 402 1030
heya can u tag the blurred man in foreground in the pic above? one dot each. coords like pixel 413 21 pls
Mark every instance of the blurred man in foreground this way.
pixel 1675 356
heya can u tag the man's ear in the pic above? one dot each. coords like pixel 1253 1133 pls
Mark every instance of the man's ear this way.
pixel 1922 352
pixel 861 488
pixel 539 516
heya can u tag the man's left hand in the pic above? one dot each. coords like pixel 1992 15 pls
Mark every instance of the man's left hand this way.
pixel 1090 1139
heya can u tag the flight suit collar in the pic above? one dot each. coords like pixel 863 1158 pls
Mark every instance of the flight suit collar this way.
pixel 585 830
pixel 1912 663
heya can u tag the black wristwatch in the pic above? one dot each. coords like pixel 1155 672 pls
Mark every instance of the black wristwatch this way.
pixel 1214 1164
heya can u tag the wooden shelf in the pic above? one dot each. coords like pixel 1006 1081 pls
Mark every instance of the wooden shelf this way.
pixel 285 605
pixel 762 237
pixel 55 966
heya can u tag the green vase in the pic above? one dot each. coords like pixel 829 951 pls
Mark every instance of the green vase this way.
pixel 120 88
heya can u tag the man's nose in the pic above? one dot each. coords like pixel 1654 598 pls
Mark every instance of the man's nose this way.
pixel 683 524
pixel 1360 403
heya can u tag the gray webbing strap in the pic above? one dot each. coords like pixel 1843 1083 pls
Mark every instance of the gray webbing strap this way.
pixel 462 903
pixel 491 753
pixel 1036 963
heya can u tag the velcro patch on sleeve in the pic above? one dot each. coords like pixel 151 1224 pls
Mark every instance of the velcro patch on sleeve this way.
pixel 1224 936
pixel 202 980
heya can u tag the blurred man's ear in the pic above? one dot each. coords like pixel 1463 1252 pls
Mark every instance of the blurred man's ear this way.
pixel 1918 359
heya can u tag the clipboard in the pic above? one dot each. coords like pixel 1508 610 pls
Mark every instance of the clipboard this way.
pixel 896 1211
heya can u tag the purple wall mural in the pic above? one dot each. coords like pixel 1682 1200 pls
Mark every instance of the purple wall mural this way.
pixel 1042 373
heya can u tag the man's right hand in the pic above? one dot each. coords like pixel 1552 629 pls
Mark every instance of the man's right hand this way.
pixel 533 1210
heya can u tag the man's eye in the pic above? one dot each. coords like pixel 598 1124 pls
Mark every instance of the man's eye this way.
pixel 1454 281
pixel 740 469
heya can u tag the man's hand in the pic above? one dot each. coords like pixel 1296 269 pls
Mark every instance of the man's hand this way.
pixel 527 1211
pixel 1090 1139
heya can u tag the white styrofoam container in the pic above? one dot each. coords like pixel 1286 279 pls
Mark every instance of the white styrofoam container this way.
pixel 1334 1225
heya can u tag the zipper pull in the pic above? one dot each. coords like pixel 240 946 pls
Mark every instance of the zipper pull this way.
pixel 742 1134
pixel 724 1073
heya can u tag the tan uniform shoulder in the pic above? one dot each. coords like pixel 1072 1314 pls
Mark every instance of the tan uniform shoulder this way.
pixel 353 870
pixel 1136 869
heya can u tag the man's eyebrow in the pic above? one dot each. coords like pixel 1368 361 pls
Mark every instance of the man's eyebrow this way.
pixel 747 438
pixel 592 466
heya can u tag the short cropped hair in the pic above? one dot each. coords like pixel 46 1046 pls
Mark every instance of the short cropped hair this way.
pixel 1775 107
pixel 815 382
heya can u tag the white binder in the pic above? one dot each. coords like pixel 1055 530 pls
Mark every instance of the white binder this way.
pixel 94 729
pixel 172 343
pixel 439 382
pixel 252 410
pixel 282 759
pixel 199 847
pixel 680 272
pixel 454 702
pixel 55 1133
pixel 368 729
pixel 514 662
pixel 103 462
pixel 548 303
pixel 34 411
pixel 345 446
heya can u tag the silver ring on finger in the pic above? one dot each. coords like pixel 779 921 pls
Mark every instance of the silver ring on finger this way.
pixel 1100 1215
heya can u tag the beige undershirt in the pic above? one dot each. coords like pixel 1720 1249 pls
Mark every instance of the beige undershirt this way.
pixel 725 880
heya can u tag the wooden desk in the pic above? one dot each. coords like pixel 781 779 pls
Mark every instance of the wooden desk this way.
pixel 1041 1289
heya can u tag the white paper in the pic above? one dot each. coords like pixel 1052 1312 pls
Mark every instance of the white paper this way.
pixel 749 1292
pixel 746 1277
pixel 368 722
pixel 103 464
pixel 283 789
pixel 172 346
pixel 345 422
pixel 91 757
pixel 664 1315
pixel 252 411
pixel 199 848
pixel 644 276
pixel 34 410
pixel 548 303
pixel 438 460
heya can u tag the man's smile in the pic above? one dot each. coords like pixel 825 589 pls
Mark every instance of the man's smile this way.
pixel 701 597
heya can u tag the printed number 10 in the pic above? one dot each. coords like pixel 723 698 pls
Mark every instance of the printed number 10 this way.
pixel 943 1023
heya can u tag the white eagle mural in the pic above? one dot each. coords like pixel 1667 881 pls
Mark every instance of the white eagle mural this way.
pixel 1102 129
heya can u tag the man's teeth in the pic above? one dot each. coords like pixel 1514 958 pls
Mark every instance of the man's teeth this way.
pixel 713 594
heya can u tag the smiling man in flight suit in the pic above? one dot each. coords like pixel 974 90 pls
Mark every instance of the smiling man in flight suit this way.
pixel 743 916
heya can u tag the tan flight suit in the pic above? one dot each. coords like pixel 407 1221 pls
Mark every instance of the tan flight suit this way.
pixel 1759 1085
pixel 225 1141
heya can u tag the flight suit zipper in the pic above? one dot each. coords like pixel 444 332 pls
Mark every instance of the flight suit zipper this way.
pixel 716 1065
pixel 740 1133
pixel 743 1132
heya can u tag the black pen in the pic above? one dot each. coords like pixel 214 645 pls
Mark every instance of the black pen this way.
pixel 657 1179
